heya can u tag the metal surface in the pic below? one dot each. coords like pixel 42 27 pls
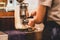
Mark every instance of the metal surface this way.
pixel 23 12
pixel 23 15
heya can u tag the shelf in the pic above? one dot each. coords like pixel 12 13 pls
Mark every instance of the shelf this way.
pixel 6 16
pixel 2 3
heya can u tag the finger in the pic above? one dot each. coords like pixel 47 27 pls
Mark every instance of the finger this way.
pixel 33 13
pixel 31 23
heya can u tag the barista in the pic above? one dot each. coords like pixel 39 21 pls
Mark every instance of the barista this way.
pixel 52 26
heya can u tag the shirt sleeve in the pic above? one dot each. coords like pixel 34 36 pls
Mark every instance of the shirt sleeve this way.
pixel 46 2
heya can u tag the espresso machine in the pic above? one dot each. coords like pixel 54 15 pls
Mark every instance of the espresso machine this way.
pixel 21 17
pixel 24 14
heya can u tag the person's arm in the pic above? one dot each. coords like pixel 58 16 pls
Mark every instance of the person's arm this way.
pixel 40 13
pixel 41 10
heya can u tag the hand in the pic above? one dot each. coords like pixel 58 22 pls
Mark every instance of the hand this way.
pixel 33 13
pixel 31 22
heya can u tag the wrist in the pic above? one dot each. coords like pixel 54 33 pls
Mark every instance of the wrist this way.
pixel 37 20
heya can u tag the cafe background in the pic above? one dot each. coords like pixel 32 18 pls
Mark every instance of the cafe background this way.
pixel 6 18
pixel 7 11
pixel 7 21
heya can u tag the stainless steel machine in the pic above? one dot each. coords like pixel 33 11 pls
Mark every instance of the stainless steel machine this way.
pixel 24 12
pixel 23 16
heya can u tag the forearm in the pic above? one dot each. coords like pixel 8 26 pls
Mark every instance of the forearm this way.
pixel 40 13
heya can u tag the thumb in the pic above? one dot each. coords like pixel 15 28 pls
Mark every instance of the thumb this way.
pixel 33 13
